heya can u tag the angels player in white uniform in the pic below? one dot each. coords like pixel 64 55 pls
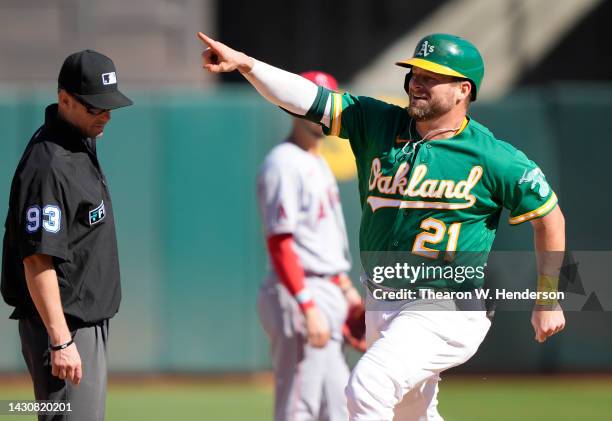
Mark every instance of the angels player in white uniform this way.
pixel 303 302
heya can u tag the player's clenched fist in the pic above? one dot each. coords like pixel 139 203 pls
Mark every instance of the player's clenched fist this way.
pixel 219 58
pixel 546 323
pixel 317 328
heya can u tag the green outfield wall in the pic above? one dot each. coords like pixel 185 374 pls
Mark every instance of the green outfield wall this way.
pixel 182 170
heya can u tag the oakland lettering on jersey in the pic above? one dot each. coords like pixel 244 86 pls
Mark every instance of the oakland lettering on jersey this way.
pixel 419 186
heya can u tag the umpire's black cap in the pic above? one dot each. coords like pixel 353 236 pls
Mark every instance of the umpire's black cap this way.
pixel 92 77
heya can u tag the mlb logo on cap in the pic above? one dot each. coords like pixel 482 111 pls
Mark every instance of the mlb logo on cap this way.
pixel 109 78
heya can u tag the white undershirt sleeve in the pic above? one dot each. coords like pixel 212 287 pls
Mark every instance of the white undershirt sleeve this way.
pixel 288 90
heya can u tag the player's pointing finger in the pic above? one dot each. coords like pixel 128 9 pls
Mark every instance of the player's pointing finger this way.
pixel 206 39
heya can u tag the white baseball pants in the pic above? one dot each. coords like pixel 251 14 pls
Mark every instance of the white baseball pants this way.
pixel 397 378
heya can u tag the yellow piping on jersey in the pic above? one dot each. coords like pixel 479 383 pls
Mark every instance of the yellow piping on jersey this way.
pixel 542 210
pixel 336 114
pixel 463 125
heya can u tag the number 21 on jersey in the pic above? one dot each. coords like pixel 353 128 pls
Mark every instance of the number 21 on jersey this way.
pixel 434 232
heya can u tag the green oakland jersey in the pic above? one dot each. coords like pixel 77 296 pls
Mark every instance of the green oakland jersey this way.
pixel 437 198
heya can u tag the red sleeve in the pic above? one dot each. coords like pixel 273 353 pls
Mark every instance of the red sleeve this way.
pixel 288 268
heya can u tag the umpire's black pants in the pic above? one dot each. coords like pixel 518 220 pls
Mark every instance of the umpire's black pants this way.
pixel 87 400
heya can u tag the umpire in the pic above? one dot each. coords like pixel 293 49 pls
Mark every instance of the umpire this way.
pixel 60 267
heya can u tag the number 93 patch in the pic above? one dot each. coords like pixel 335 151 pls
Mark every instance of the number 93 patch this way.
pixel 49 217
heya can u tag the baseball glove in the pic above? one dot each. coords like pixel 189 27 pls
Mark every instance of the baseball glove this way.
pixel 354 327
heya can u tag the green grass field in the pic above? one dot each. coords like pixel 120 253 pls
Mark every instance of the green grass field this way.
pixel 461 399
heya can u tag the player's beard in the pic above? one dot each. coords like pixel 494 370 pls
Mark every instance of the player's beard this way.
pixel 428 110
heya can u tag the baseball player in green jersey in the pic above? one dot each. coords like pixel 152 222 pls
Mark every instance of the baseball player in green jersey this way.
pixel 432 183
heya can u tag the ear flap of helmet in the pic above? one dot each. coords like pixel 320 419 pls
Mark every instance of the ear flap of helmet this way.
pixel 407 80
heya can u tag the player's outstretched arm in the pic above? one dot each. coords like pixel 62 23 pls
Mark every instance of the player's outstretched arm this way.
pixel 288 90
pixel 549 238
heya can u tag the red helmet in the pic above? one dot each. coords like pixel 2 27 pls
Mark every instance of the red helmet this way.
pixel 322 79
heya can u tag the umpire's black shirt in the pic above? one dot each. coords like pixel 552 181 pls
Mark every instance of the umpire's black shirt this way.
pixel 60 206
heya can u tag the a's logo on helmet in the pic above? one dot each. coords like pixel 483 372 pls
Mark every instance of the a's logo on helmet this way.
pixel 425 49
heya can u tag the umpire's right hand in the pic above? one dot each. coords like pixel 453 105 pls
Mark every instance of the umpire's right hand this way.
pixel 66 364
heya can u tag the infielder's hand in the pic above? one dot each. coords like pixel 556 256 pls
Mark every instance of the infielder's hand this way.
pixel 66 364
pixel 352 296
pixel 546 323
pixel 316 327
pixel 219 58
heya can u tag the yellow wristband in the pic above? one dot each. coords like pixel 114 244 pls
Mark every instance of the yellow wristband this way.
pixel 547 284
